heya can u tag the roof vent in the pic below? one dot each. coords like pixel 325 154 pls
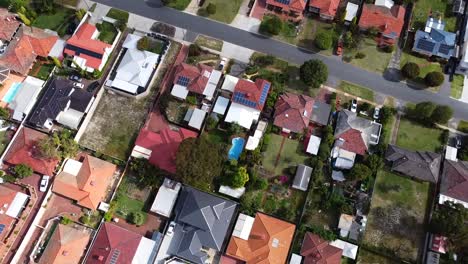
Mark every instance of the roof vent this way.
pixel 275 243
pixel 65 253
pixel 91 183
pixel 286 115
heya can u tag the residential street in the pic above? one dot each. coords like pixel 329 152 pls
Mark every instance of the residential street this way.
pixel 338 70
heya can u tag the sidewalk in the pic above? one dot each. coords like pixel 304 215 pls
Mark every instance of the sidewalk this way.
pixel 464 96
pixel 242 21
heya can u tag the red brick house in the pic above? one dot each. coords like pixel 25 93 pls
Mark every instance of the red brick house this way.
pixel 292 10
pixel 388 21
pixel 316 250
pixel 326 9
pixel 292 112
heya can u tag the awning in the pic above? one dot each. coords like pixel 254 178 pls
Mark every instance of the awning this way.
pixel 179 91
pixel 17 205
pixel 197 118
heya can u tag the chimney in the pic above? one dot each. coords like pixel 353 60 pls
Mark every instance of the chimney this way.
pixel 64 253
pixel 248 95
pixel 286 115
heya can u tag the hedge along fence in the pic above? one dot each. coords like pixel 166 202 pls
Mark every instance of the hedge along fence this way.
pixel 118 14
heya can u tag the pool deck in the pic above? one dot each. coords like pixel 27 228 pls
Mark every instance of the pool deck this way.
pixel 12 78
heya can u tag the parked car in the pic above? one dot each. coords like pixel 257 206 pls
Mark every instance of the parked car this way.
pixel 458 143
pixel 376 113
pixel 222 64
pixel 339 48
pixel 93 86
pixel 353 105
pixel 78 85
pixel 75 78
pixel 44 183
pixel 170 229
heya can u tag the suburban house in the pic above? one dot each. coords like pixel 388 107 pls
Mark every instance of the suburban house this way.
pixel 247 102
pixel 292 10
pixel 454 183
pixel 263 239
pixel 421 165
pixel 293 112
pixel 202 224
pixel 356 134
pixel 61 102
pixel 25 150
pixel 302 177
pixel 387 20
pixel 13 203
pixel 135 69
pixel 316 250
pixel 326 9
pixel 85 181
pixel 67 244
pixel 9 26
pixel 114 244
pixel 320 113
pixel 88 52
pixel 434 40
pixel 166 198
pixel 200 80
pixel 161 148
pixel 25 98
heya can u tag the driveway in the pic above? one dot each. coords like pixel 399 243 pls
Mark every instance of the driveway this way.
pixel 243 21
pixel 338 70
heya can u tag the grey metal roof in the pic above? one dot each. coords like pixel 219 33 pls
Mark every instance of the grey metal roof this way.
pixel 422 165
pixel 205 219
pixel 4 72
pixel 320 113
pixel 370 130
pixel 302 178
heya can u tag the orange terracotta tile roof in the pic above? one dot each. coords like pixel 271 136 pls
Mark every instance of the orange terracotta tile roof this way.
pixel 269 241
pixel 89 186
pixel 327 7
pixel 8 24
pixel 389 21
pixel 198 76
pixel 67 245
pixel 296 5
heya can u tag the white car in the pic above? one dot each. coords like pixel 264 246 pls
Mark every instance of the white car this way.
pixel 376 113
pixel 222 64
pixel 354 105
pixel 44 183
pixel 170 229
pixel 78 85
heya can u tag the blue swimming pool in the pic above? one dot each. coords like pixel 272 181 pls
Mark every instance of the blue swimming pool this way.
pixel 236 149
pixel 10 95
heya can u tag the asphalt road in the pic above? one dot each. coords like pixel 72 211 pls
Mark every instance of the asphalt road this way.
pixel 338 70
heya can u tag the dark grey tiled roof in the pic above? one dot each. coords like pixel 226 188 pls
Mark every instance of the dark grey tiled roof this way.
pixel 320 113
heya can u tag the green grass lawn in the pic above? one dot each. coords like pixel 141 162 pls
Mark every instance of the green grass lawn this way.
pixel 291 155
pixel 44 71
pixel 457 86
pixel 226 11
pixel 463 126
pixel 397 216
pixel 210 43
pixel 126 204
pixel 423 7
pixel 424 65
pixel 107 32
pixel 4 140
pixel 414 136
pixel 357 90
pixel 375 60
pixel 53 21
pixel 218 136
pixel 178 4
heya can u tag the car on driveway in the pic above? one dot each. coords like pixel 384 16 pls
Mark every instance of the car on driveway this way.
pixel 222 64
pixel 376 113
pixel 170 229
pixel 75 78
pixel 44 183
pixel 353 107
pixel 458 142
pixel 78 85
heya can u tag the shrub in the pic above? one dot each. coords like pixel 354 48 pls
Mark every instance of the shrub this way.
pixel 442 114
pixel 410 70
pixel 118 14
pixel 251 69
pixel 260 184
pixel 211 123
pixel 323 40
pixel 4 113
pixel 360 55
pixel 434 78
pixel 136 218
pixel 211 9
pixel 194 50
pixel 314 73
pixel 65 220
pixel 271 25
pixel 191 100
pixel 23 171
pixel 143 43
pixel 202 12
pixel 388 48
pixel 264 60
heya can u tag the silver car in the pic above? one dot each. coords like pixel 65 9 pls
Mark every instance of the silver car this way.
pixel 44 183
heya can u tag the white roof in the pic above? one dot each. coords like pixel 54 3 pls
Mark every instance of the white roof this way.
pixel 386 3
pixel 243 226
pixel 252 143
pixel 131 41
pixel 242 115
pixel 26 97
pixel 166 198
pixel 451 153
pixel 295 259
pixel 313 145
pixel 345 224
pixel 229 83
pixel 196 120
pixel 16 206
pixel 338 176
pixel 221 105
pixel 351 11
pixel 236 193
pixel 349 250
pixel 124 86
pixel 144 252
pixel 212 83
pixel 344 158
pixel 70 118
pixel 72 167
pixel 57 49
pixel 179 91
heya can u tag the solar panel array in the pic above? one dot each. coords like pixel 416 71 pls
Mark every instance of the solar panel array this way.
pixel 183 80
pixel 240 98
pixel 445 49
pixel 2 227
pixel 286 2
pixel 425 45
pixel 263 96
pixel 115 256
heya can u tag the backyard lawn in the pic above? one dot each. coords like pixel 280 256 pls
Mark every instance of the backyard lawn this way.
pixel 397 216
pixel 226 11
pixel 55 20
pixel 291 155
pixel 375 60
pixel 356 90
pixel 130 198
pixel 218 136
pixel 210 43
pixel 107 32
pixel 457 86
pixel 44 71
pixel 438 8
pixel 414 136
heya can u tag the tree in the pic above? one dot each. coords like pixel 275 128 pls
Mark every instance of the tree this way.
pixel 211 123
pixel 4 113
pixel 314 73
pixel 143 43
pixel 410 70
pixel 80 13
pixel 136 218
pixel 23 171
pixel 442 114
pixel 423 111
pixel 450 220
pixel 49 147
pixel 234 129
pixel 239 178
pixel 148 174
pixel 69 147
pixel 25 20
pixel 434 79
pixel 211 9
pixel 260 184
pixel 374 163
pixel 57 62
pixel 324 151
pixel 348 40
pixel 271 25
pixel 323 40
pixel 194 50
pixel 199 161
pixel 360 172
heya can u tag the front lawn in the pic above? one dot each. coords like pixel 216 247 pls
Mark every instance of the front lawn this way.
pixel 414 136
pixel 424 64
pixel 357 90
pixel 463 126
pixel 54 21
pixel 397 216
pixel 438 8
pixel 107 32
pixel 178 4
pixel 210 43
pixel 291 155
pixel 375 59
pixel 456 87
pixel 226 11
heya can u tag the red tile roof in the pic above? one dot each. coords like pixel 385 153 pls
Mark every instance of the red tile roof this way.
pixel 7 195
pixel 83 40
pixel 318 251
pixel 163 145
pixel 42 46
pixel 24 150
pixel 250 91
pixel 454 181
pixel 353 141
pixel 112 238
pixel 327 7
pixel 293 111
pixel 295 5
pixel 198 76
pixel 19 56
pixel 389 21
pixel 8 24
